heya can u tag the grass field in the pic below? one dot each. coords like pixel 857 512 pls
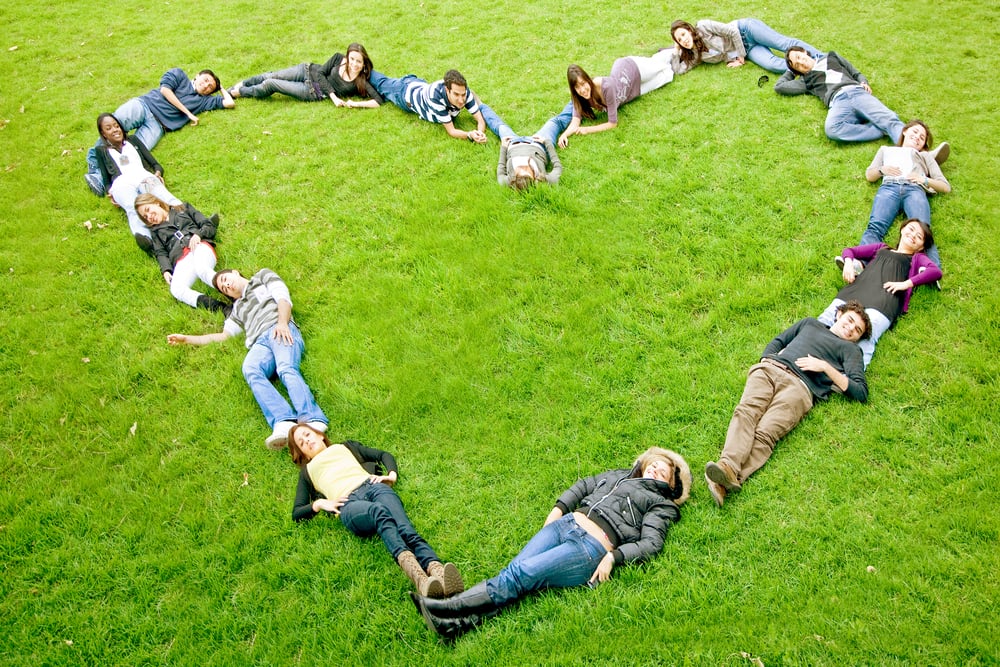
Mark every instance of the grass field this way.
pixel 500 345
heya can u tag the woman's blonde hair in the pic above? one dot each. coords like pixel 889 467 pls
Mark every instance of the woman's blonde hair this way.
pixel 682 472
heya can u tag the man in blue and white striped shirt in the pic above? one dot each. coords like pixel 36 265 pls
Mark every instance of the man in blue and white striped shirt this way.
pixel 439 102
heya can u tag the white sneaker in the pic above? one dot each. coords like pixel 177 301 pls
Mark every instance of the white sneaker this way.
pixel 941 153
pixel 317 426
pixel 279 436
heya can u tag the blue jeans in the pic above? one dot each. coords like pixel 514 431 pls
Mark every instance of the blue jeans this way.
pixel 291 81
pixel 856 115
pixel 557 124
pixel 560 555
pixel 890 200
pixel 759 38
pixel 393 90
pixel 551 130
pixel 269 357
pixel 134 115
pixel 375 508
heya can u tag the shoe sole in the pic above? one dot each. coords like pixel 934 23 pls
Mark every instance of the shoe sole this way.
pixel 275 443
pixel 452 580
pixel 943 154
pixel 714 472
pixel 717 490
pixel 432 588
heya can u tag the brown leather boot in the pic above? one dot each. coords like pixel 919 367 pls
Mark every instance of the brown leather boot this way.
pixel 721 473
pixel 717 490
pixel 427 586
pixel 449 576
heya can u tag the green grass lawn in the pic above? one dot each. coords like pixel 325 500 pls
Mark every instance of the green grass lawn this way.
pixel 500 345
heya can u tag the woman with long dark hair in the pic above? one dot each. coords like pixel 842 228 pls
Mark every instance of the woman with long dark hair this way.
pixel 735 42
pixel 341 77
pixel 630 77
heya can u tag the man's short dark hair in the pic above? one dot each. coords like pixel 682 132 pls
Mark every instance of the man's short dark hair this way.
pixel 856 307
pixel 453 76
pixel 218 84
pixel 215 278
pixel 788 61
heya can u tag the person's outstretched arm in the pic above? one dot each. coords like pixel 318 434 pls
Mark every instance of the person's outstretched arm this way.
pixel 227 100
pixel 202 339
pixel 170 96
pixel 476 135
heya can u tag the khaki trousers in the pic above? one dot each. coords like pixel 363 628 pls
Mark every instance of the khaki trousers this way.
pixel 774 400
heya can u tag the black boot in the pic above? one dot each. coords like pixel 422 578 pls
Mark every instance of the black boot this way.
pixel 145 243
pixel 458 614
pixel 210 304
pixel 473 601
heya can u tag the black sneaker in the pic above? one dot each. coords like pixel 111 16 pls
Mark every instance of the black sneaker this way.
pixel 145 244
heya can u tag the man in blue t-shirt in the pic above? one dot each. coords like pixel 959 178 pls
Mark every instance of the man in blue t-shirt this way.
pixel 439 102
pixel 177 102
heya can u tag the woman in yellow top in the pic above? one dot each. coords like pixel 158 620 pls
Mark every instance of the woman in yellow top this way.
pixel 355 482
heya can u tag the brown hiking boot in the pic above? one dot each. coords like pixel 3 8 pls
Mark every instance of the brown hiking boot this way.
pixel 427 586
pixel 717 490
pixel 721 473
pixel 449 576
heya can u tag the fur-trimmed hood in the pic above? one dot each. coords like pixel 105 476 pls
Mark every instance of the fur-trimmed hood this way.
pixel 682 474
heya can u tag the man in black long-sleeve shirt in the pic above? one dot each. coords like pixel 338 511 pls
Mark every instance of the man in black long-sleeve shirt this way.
pixel 802 364
pixel 855 114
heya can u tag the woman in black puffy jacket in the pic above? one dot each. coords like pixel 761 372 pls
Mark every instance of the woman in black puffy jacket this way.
pixel 620 516
pixel 183 245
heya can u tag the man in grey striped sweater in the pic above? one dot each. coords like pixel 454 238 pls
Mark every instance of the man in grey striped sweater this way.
pixel 263 309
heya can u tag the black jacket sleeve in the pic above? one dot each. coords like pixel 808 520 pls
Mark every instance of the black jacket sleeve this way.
pixel 109 170
pixel 305 494
pixel 373 460
pixel 194 222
